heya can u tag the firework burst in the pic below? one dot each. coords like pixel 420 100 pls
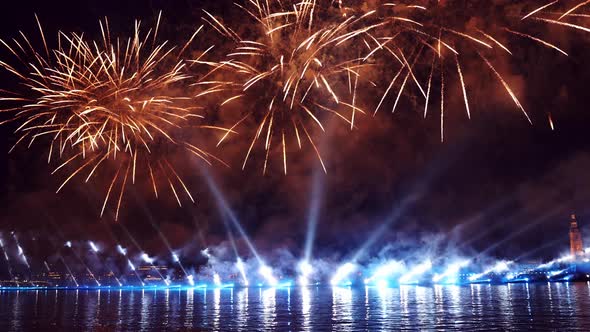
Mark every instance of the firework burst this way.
pixel 430 41
pixel 296 65
pixel 110 104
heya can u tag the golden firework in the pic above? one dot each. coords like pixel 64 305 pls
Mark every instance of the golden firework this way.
pixel 115 102
pixel 290 69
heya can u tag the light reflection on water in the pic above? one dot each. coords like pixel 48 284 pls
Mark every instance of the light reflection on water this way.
pixel 476 307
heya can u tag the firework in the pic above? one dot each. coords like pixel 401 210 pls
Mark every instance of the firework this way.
pixel 112 102
pixel 428 41
pixel 292 66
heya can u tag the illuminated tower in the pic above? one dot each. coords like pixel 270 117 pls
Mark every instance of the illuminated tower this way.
pixel 576 246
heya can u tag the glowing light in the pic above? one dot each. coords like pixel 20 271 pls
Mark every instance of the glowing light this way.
pixel 242 269
pixel 121 250
pixel 305 270
pixel 385 271
pixel 216 280
pixel 191 279
pixel 382 283
pixel 567 258
pixel 501 266
pixel 342 273
pixel 68 244
pixel 147 258
pixel 131 266
pixel 554 273
pixel 415 272
pixel 266 272
pixel 563 259
pixel 205 252
pixel 93 246
pixel 451 271
pixel 175 258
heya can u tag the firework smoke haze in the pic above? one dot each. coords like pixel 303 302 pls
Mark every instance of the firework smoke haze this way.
pixel 109 105
pixel 297 65
pixel 429 43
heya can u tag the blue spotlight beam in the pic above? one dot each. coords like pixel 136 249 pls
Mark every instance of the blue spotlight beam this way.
pixel 141 250
pixel 395 214
pixel 7 259
pixel 96 250
pixel 224 206
pixel 314 210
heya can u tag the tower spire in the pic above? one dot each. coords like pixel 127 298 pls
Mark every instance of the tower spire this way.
pixel 576 245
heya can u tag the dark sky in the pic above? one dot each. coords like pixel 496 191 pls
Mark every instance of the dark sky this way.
pixel 496 185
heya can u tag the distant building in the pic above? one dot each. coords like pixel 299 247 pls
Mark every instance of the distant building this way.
pixel 152 273
pixel 576 245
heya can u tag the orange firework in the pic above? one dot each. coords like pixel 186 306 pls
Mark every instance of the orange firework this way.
pixel 428 39
pixel 109 102
pixel 290 70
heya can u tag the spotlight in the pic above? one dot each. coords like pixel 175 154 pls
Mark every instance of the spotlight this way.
pixel 498 268
pixel 410 277
pixel 382 283
pixel 191 279
pixel 175 258
pixel 305 270
pixel 93 246
pixel 342 273
pixel 240 266
pixel 131 266
pixel 121 250
pixel 147 258
pixel 68 244
pixel 384 271
pixel 216 280
pixel 451 271
pixel 206 253
pixel 266 272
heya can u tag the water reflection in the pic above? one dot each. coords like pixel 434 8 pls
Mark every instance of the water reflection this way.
pixel 268 297
pixel 517 306
pixel 242 308
pixel 342 306
pixel 216 307
pixel 145 306
pixel 189 308
pixel 306 308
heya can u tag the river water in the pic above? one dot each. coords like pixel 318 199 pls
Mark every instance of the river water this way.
pixel 557 307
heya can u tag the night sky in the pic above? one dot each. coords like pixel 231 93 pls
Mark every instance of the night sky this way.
pixel 497 185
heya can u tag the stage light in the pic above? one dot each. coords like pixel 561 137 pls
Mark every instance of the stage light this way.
pixel 342 273
pixel 121 250
pixel 147 258
pixel 93 246
pixel 411 277
pixel 266 272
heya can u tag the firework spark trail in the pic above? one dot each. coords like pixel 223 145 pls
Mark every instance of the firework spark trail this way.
pixel 293 64
pixel 105 102
pixel 401 27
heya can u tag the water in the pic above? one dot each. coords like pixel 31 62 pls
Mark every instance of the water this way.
pixel 558 306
